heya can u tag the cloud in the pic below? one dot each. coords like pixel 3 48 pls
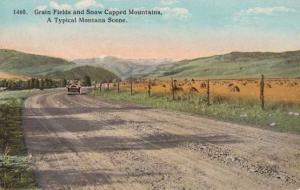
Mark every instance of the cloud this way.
pixel 264 11
pixel 254 15
pixel 88 3
pixel 179 13
pixel 56 5
pixel 80 5
pixel 41 7
pixel 168 2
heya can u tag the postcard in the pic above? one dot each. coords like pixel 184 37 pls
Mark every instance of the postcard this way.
pixel 150 94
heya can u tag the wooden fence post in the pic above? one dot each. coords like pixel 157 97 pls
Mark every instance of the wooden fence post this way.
pixel 118 86
pixel 100 86
pixel 131 86
pixel 149 88
pixel 208 93
pixel 262 92
pixel 173 89
pixel 95 88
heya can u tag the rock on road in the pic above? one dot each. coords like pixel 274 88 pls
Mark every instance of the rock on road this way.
pixel 82 142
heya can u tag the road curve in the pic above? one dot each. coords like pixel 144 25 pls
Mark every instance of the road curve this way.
pixel 81 142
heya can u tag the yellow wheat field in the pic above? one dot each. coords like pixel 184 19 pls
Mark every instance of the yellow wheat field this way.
pixel 275 90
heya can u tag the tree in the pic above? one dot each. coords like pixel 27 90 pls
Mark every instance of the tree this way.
pixel 3 83
pixel 30 83
pixel 87 81
pixel 64 83
pixel 36 83
pixel 20 84
pixel 49 83
pixel 42 84
pixel 12 85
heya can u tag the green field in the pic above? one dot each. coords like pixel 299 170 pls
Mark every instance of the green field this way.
pixel 15 168
pixel 276 117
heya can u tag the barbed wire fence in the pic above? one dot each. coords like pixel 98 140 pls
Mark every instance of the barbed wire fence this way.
pixel 174 88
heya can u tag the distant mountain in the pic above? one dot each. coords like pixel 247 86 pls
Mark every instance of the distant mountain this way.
pixel 15 62
pixel 124 68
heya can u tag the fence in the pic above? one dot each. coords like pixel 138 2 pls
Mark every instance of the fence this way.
pixel 280 90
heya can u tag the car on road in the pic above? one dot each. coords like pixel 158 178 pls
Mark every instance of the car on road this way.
pixel 74 87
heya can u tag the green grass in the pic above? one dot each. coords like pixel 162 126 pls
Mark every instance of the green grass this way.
pixel 236 111
pixel 15 169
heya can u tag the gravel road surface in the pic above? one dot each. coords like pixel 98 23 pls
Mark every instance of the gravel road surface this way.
pixel 82 142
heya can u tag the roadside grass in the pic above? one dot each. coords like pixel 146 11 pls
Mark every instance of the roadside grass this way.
pixel 17 94
pixel 279 117
pixel 15 169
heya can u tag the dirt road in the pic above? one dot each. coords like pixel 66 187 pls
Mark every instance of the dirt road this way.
pixel 80 142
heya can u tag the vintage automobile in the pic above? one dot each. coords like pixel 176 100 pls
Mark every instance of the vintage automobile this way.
pixel 74 87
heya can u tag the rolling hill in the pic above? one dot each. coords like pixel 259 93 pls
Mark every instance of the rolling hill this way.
pixel 30 64
pixel 19 63
pixel 234 65
pixel 79 72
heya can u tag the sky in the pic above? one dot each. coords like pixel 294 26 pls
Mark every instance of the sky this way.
pixel 187 29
